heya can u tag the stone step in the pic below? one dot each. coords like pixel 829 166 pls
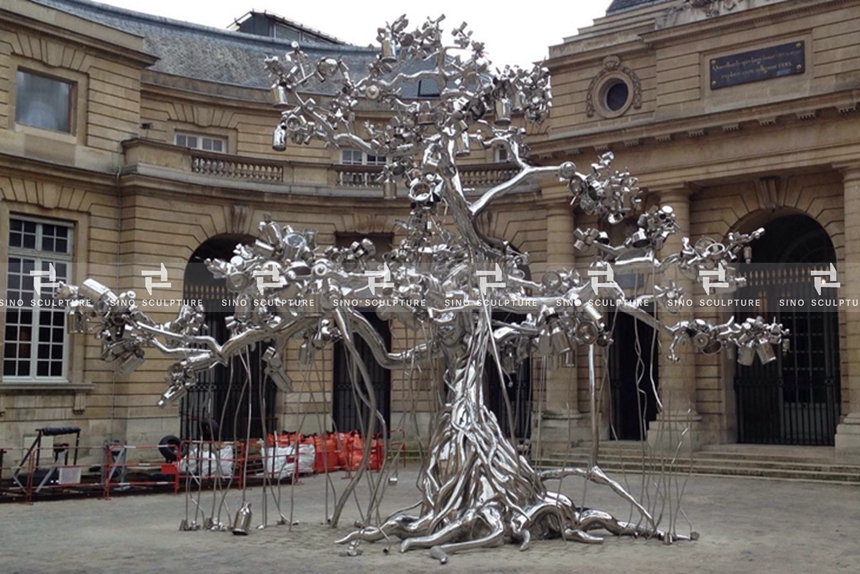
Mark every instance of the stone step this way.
pixel 824 464
pixel 738 452
pixel 842 473
pixel 787 454
pixel 682 462
pixel 782 474
pixel 789 463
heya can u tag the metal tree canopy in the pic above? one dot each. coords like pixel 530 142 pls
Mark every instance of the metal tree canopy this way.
pixel 444 280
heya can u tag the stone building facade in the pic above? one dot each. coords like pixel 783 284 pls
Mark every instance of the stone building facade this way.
pixel 130 142
pixel 738 114
pixel 156 149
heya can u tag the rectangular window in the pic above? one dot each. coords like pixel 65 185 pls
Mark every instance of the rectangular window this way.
pixel 198 141
pixel 356 157
pixel 40 255
pixel 428 88
pixel 350 157
pixel 44 102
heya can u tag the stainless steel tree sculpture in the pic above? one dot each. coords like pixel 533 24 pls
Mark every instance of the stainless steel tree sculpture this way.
pixel 477 490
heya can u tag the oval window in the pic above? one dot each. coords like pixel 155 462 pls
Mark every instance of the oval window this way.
pixel 616 97
pixel 613 96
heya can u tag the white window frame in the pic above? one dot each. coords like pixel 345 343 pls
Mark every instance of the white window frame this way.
pixel 500 154
pixel 358 157
pixel 200 141
pixel 41 259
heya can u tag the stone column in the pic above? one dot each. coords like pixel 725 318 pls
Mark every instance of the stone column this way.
pixel 848 433
pixel 561 423
pixel 677 380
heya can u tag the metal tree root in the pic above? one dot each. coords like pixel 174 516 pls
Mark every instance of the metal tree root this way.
pixel 479 492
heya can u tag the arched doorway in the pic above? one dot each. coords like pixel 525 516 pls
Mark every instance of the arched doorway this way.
pixel 510 399
pixel 793 400
pixel 218 406
pixel 349 412
pixel 633 377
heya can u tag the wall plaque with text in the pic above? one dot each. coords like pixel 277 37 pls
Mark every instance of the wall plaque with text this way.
pixel 757 65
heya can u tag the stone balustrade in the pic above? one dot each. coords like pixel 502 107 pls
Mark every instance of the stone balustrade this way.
pixel 237 168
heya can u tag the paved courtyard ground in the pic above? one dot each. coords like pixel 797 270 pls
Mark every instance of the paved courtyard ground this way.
pixel 746 525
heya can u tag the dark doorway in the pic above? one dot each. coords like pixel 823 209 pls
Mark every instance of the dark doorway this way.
pixel 633 378
pixel 218 406
pixel 349 411
pixel 793 400
pixel 516 386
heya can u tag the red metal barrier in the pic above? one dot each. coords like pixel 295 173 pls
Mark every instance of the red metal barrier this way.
pixel 30 477
pixel 140 467
pixel 117 467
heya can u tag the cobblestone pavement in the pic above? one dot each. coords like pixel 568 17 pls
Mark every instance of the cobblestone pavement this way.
pixel 746 525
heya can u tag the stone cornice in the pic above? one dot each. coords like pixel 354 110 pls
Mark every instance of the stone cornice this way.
pixel 627 49
pixel 744 19
pixel 26 168
pixel 107 42
pixel 850 170
pixel 168 87
pixel 619 22
pixel 722 122
pixel 60 387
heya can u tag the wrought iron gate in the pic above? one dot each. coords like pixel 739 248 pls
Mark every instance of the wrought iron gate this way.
pixel 348 411
pixel 517 386
pixel 795 399
pixel 217 407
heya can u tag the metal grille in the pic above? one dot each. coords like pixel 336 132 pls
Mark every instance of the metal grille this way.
pixel 517 386
pixel 348 410
pixel 217 406
pixel 780 411
pixel 795 399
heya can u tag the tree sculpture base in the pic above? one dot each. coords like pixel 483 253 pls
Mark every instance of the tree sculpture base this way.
pixel 478 492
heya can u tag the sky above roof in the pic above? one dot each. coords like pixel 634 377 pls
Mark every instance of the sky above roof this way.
pixel 511 36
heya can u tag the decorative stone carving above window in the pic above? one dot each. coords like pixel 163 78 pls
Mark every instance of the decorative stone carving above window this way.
pixel 614 90
pixel 690 10
pixel 769 190
pixel 713 8
pixel 239 219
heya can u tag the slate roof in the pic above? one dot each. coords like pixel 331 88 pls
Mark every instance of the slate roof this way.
pixel 204 53
pixel 624 5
